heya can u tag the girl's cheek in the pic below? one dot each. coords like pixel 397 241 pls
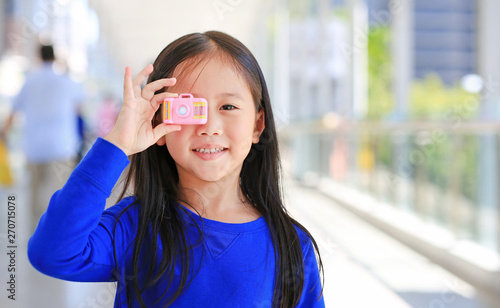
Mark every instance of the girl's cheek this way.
pixel 171 139
pixel 244 144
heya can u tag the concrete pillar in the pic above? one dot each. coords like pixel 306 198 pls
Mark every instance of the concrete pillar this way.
pixel 324 85
pixel 402 52
pixel 3 27
pixel 402 46
pixel 359 57
pixel 489 68
pixel 281 80
pixel 488 51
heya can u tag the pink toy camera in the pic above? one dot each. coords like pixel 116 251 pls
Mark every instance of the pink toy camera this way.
pixel 184 109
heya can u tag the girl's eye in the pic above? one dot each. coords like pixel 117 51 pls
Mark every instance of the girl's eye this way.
pixel 228 107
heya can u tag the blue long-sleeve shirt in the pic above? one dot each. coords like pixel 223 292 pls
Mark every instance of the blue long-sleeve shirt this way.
pixel 74 241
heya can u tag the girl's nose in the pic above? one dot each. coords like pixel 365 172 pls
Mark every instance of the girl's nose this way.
pixel 212 127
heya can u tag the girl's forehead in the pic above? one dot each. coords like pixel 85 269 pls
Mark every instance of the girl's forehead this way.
pixel 208 70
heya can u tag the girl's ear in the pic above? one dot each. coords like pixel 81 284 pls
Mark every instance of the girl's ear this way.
pixel 260 124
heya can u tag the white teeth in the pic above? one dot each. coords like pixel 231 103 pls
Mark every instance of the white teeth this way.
pixel 215 150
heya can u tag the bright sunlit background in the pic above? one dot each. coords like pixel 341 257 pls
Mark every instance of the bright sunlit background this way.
pixel 388 113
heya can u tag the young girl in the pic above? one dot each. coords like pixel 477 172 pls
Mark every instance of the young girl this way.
pixel 206 225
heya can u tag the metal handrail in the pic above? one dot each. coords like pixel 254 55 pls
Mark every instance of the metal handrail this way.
pixel 452 162
pixel 377 127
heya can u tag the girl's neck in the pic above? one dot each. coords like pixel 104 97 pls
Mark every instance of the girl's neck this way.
pixel 222 201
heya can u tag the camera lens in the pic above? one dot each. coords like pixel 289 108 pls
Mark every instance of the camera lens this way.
pixel 182 110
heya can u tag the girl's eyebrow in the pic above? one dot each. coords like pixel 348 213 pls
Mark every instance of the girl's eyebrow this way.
pixel 229 95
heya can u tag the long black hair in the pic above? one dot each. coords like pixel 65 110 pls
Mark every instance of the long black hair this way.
pixel 153 180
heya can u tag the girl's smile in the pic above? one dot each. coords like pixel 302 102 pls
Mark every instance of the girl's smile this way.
pixel 210 151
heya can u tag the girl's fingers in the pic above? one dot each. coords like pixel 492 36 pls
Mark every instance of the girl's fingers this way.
pixel 163 129
pixel 150 89
pixel 139 79
pixel 159 98
pixel 127 84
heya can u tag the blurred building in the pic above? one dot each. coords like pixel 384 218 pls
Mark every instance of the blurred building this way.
pixel 445 36
pixel 71 26
pixel 442 172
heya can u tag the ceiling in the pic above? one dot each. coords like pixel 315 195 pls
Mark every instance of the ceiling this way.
pixel 136 31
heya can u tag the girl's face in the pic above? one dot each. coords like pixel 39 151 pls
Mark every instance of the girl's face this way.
pixel 216 150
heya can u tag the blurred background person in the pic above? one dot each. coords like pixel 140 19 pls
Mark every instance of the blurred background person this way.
pixel 50 103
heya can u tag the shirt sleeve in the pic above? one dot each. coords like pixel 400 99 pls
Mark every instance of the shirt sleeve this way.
pixel 74 239
pixel 20 99
pixel 312 296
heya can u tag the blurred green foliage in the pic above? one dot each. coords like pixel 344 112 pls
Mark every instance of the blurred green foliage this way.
pixel 380 98
pixel 430 100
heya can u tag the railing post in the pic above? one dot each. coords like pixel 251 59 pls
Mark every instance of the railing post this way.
pixel 453 201
pixel 488 190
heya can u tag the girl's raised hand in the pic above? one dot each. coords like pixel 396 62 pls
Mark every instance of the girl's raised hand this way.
pixel 133 131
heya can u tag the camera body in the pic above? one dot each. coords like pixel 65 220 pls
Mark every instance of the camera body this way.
pixel 184 109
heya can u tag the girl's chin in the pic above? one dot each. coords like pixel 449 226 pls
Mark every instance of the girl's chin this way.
pixel 213 179
pixel 202 173
pixel 213 176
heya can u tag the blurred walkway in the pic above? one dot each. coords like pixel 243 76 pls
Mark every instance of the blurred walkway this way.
pixel 363 267
pixel 366 268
